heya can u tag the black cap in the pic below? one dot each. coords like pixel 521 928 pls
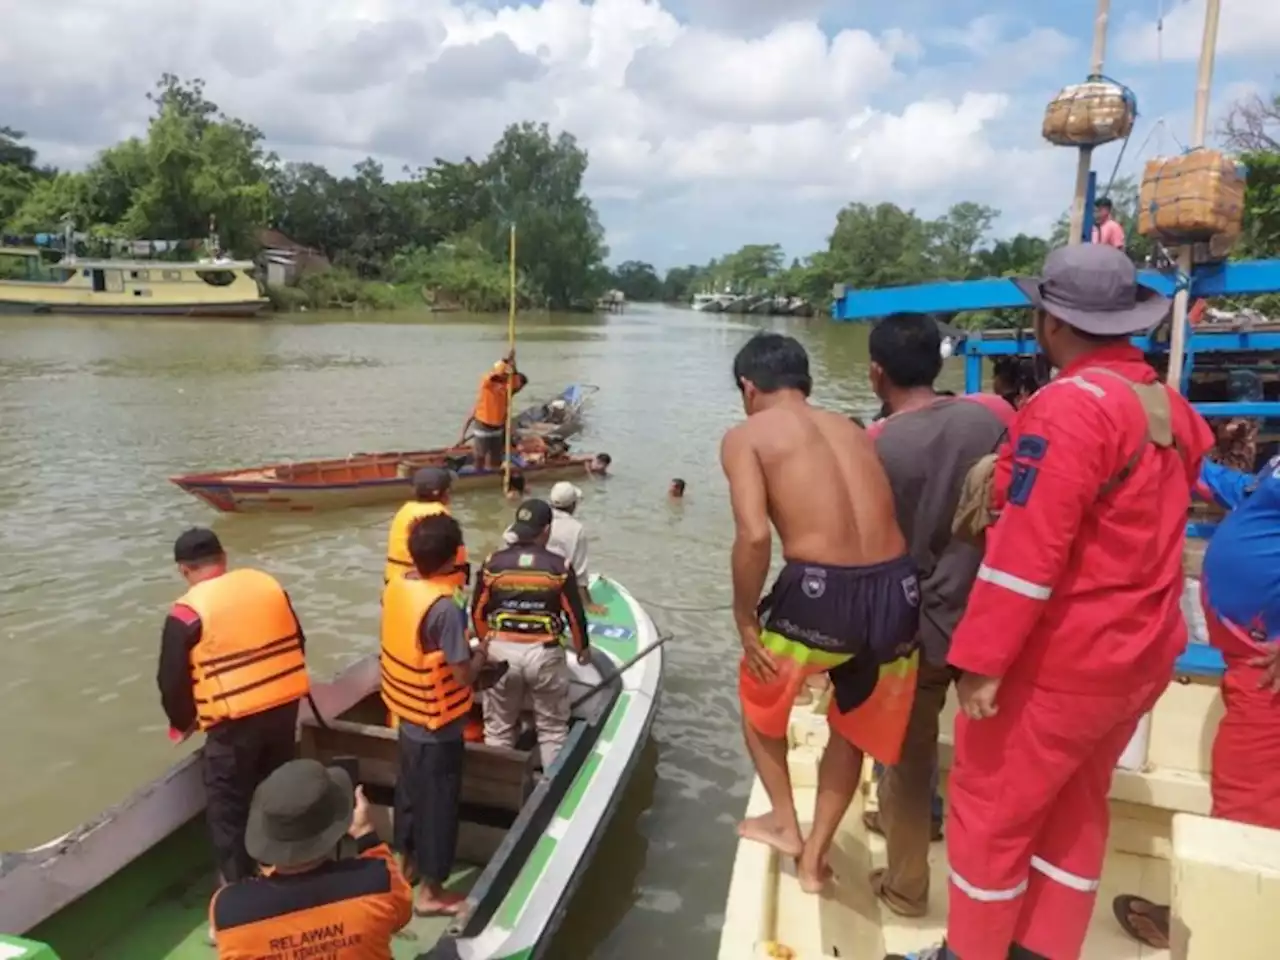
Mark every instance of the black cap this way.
pixel 197 544
pixel 432 481
pixel 532 517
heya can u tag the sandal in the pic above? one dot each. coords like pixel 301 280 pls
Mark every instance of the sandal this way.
pixel 1144 921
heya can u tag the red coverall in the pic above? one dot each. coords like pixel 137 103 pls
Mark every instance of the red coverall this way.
pixel 1076 608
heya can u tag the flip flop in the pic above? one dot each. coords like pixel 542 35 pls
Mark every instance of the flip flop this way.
pixel 1157 915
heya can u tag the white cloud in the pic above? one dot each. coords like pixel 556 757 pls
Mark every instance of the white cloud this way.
pixel 698 136
pixel 1245 28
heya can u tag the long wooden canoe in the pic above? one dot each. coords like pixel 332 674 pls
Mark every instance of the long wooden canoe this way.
pixel 362 479
pixel 135 883
pixel 1162 847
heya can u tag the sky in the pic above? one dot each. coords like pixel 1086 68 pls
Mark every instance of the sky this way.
pixel 710 123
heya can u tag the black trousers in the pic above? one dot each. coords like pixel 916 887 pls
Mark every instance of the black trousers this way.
pixel 428 791
pixel 239 755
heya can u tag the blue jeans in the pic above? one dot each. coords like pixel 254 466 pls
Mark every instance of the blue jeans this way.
pixel 933 785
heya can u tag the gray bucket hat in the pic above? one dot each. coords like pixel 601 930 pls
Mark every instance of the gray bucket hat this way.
pixel 1094 287
pixel 299 814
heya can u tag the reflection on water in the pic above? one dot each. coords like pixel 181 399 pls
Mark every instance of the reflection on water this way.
pixel 96 414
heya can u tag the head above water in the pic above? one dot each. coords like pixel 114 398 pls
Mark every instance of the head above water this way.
pixel 600 463
pixel 676 490
pixel 515 484
pixel 431 484
pixel 1088 297
pixel 199 555
pixel 770 365
pixel 434 543
pixel 906 353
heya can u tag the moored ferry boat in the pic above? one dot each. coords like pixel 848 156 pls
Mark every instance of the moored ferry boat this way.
pixel 207 288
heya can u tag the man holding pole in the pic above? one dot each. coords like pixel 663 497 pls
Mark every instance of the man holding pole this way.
pixel 491 414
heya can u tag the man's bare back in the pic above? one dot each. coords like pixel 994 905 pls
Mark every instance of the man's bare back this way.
pixel 828 495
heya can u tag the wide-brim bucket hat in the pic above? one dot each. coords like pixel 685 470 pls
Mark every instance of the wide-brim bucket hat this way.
pixel 1094 287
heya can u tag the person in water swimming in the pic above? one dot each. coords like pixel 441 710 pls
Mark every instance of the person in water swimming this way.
pixel 846 602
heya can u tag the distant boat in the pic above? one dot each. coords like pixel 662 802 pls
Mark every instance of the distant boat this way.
pixel 209 288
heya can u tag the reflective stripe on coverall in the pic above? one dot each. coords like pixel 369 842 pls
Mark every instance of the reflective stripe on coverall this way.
pixel 1076 608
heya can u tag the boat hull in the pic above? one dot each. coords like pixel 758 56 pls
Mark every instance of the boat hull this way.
pixel 357 481
pixel 122 885
pixel 241 309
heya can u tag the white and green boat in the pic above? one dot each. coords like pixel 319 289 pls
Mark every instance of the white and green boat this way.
pixel 135 883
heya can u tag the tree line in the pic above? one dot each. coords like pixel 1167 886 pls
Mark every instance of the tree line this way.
pixel 441 231
pixel 881 245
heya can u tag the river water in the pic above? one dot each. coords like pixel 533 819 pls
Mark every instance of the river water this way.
pixel 96 414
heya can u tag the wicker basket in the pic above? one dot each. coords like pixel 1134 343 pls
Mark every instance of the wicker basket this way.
pixel 1089 114
pixel 1196 197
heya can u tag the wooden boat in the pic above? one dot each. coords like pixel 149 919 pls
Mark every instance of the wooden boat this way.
pixel 135 883
pixel 209 288
pixel 1217 876
pixel 361 479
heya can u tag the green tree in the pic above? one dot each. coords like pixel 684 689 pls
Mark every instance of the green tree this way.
pixel 638 281
pixel 956 239
pixel 880 246
pixel 681 283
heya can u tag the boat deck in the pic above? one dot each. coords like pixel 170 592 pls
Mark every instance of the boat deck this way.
pixel 850 921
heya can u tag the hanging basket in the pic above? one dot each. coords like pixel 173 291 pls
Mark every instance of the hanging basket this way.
pixel 1193 198
pixel 1089 114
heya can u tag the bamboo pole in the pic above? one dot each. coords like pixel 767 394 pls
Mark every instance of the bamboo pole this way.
pixel 1204 80
pixel 511 349
pixel 1086 153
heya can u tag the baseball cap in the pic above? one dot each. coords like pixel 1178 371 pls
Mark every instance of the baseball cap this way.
pixel 565 495
pixel 532 517
pixel 1094 287
pixel 195 545
pixel 431 480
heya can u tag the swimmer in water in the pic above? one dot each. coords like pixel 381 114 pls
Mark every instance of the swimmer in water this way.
pixel 676 490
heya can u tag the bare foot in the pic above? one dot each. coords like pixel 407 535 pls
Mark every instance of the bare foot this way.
pixel 813 880
pixel 446 904
pixel 764 829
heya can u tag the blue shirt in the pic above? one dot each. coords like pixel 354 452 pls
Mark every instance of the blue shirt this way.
pixel 1242 562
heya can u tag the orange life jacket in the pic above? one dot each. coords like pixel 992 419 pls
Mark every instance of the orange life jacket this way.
pixel 249 658
pixel 398 560
pixel 417 686
pixel 491 400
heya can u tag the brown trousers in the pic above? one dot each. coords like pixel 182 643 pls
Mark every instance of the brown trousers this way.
pixel 906 796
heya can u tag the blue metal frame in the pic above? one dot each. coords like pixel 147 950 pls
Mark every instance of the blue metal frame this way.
pixel 1239 278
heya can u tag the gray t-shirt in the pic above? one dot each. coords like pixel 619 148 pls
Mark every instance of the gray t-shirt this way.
pixel 926 454
pixel 444 628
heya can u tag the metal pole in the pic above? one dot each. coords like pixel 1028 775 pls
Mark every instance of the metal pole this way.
pixel 511 349
pixel 1076 233
pixel 1204 79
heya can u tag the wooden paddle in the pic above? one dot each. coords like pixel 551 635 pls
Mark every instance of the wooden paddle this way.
pixel 620 671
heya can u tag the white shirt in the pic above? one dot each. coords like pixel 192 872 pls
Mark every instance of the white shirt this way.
pixel 568 539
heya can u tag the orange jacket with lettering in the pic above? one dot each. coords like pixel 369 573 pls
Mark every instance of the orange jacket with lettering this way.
pixel 398 560
pixel 342 910
pixel 417 685
pixel 249 658
pixel 491 400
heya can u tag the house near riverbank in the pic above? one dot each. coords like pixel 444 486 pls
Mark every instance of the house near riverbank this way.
pixel 284 260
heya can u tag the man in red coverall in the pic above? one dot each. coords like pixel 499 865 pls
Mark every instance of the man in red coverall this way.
pixel 1073 626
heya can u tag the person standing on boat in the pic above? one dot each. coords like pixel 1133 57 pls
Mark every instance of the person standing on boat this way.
pixel 431 498
pixel 489 415
pixel 330 887
pixel 1240 596
pixel 428 674
pixel 232 665
pixel 927 444
pixel 568 538
pixel 526 598
pixel 846 602
pixel 1074 624
pixel 1106 229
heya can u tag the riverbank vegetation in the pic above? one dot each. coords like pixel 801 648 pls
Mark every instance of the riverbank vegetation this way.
pixel 884 245
pixel 440 233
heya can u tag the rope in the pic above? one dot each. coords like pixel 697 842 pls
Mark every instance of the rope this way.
pixel 672 608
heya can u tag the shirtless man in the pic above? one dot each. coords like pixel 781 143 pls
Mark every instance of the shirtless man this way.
pixel 846 602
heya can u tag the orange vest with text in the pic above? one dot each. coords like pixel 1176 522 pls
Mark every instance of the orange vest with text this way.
pixel 346 909
pixel 398 560
pixel 249 658
pixel 417 686
pixel 491 401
